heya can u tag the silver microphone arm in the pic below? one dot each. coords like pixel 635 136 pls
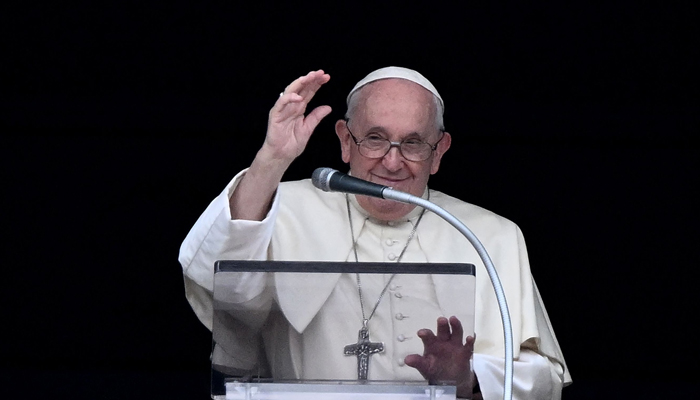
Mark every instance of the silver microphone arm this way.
pixel 403 197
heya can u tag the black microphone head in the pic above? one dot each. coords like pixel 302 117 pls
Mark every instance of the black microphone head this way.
pixel 321 178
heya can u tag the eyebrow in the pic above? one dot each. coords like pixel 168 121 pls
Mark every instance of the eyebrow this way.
pixel 382 130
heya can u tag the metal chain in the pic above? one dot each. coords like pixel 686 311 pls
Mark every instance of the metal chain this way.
pixel 365 320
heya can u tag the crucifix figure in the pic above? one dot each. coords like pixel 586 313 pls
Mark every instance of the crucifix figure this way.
pixel 363 349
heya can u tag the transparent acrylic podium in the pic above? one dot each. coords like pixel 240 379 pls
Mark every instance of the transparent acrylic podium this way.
pixel 292 330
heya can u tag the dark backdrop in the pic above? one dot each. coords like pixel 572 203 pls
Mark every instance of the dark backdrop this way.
pixel 122 120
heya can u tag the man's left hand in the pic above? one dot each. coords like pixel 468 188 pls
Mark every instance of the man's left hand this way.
pixel 445 358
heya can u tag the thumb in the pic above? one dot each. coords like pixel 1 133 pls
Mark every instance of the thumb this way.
pixel 314 117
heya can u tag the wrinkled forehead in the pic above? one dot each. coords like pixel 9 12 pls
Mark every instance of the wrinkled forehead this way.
pixel 395 93
pixel 395 105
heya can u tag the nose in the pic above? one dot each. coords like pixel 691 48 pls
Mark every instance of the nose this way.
pixel 393 160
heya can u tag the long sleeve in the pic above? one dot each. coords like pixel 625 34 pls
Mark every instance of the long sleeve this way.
pixel 535 376
pixel 305 224
pixel 216 237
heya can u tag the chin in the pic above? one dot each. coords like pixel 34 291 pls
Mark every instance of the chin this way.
pixel 386 210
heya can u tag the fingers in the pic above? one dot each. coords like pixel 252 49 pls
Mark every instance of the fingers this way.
pixel 447 330
pixel 457 330
pixel 443 333
pixel 420 363
pixel 307 85
pixel 469 343
pixel 289 103
pixel 287 98
pixel 293 101
pixel 316 116
pixel 443 329
pixel 427 337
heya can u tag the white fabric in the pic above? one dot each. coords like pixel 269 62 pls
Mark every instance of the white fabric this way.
pixel 399 73
pixel 307 224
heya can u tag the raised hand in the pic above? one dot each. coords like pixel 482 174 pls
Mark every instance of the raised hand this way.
pixel 288 132
pixel 445 358
pixel 288 128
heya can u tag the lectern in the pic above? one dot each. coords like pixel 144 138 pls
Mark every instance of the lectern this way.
pixel 331 330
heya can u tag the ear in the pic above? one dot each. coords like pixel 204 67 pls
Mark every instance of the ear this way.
pixel 346 141
pixel 442 148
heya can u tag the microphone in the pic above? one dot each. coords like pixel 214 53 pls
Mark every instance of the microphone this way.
pixel 330 180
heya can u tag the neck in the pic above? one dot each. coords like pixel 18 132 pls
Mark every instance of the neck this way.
pixel 382 210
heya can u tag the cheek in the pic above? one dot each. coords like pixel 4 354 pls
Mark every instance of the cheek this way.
pixel 421 172
pixel 361 166
pixel 421 177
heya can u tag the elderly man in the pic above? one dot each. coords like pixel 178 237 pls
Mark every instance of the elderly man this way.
pixel 393 135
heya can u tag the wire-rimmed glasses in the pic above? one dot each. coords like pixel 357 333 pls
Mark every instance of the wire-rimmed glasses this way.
pixel 375 145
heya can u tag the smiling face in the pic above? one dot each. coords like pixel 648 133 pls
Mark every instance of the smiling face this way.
pixel 396 109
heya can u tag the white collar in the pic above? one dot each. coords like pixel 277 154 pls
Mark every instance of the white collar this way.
pixel 411 216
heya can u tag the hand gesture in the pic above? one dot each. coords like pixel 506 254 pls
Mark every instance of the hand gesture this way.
pixel 288 129
pixel 445 358
pixel 288 132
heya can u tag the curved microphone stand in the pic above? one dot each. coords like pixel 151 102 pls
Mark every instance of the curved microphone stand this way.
pixel 391 194
pixel 330 180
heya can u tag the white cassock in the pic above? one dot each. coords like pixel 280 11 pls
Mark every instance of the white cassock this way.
pixel 306 224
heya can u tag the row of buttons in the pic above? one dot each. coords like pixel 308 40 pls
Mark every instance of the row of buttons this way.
pixel 391 242
pixel 399 316
pixel 391 256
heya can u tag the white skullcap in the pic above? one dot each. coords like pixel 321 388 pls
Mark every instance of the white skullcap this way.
pixel 400 73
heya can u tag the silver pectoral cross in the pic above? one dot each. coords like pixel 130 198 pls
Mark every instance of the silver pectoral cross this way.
pixel 363 349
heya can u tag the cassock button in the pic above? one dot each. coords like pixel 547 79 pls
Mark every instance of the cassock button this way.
pixel 399 316
pixel 391 256
pixel 389 242
pixel 398 295
pixel 401 338
pixel 400 362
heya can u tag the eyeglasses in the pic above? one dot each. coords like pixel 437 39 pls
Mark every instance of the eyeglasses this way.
pixel 376 146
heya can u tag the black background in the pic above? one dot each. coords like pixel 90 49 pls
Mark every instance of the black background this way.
pixel 122 120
